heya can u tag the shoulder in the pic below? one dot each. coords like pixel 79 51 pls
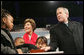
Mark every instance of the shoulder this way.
pixel 25 35
pixel 53 28
pixel 3 32
pixel 76 23
pixel 35 34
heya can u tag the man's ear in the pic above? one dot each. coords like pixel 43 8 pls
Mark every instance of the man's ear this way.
pixel 67 14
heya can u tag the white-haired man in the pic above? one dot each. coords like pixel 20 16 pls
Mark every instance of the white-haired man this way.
pixel 67 34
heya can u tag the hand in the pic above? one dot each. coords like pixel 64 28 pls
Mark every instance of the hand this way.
pixel 19 51
pixel 46 48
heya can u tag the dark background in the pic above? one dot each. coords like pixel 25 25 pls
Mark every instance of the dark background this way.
pixel 43 12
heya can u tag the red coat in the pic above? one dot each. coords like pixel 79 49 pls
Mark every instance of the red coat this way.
pixel 34 37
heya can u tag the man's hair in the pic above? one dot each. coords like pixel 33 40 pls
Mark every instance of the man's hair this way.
pixel 32 22
pixel 65 9
pixel 4 13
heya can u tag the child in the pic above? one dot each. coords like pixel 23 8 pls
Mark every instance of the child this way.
pixel 20 44
pixel 41 42
pixel 19 41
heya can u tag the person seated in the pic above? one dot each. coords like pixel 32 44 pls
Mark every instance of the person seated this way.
pixel 20 44
pixel 30 36
pixel 41 42
pixel 19 41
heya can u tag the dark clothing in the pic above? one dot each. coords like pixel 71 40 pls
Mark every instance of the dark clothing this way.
pixel 68 39
pixel 7 44
pixel 26 47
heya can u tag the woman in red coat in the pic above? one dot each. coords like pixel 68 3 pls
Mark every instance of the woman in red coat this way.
pixel 30 37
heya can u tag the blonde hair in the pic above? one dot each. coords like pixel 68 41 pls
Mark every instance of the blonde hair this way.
pixel 32 22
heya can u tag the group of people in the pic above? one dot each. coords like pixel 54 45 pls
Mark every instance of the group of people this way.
pixel 20 45
pixel 67 35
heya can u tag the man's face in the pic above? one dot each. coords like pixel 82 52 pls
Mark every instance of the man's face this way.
pixel 61 15
pixel 9 22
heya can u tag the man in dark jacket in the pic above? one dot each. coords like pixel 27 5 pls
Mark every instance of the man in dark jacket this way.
pixel 67 35
pixel 7 44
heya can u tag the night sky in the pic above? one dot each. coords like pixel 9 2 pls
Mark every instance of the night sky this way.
pixel 43 12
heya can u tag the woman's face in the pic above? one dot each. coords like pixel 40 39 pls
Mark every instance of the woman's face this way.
pixel 9 22
pixel 28 27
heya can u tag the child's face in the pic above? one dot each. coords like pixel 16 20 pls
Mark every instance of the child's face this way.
pixel 19 42
pixel 41 44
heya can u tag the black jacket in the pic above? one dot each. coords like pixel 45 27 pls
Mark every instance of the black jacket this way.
pixel 68 39
pixel 7 44
pixel 26 47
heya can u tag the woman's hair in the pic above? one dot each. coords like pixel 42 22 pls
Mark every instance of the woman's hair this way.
pixel 4 13
pixel 32 23
pixel 42 38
